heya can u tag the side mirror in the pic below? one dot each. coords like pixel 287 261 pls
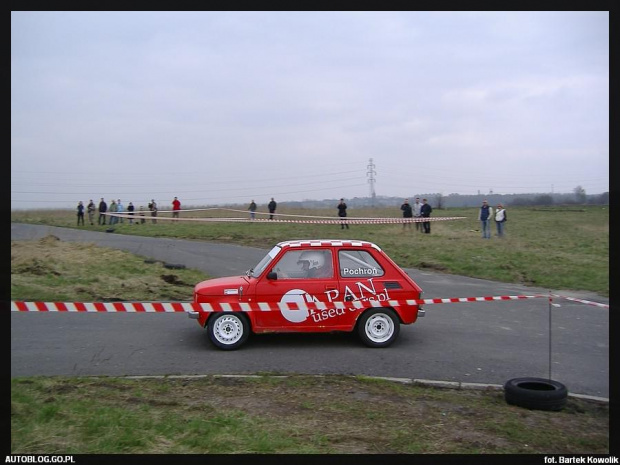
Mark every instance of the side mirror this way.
pixel 272 275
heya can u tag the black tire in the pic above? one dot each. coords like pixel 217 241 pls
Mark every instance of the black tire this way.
pixel 378 327
pixel 228 330
pixel 536 393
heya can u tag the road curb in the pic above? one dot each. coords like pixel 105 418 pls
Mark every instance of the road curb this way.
pixel 424 382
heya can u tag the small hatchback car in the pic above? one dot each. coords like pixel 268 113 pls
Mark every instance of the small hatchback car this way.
pixel 311 286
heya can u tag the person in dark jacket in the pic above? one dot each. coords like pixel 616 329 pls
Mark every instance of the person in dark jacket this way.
pixel 272 208
pixel 425 211
pixel 342 213
pixel 484 216
pixel 80 213
pixel 130 210
pixel 252 209
pixel 103 207
pixel 407 212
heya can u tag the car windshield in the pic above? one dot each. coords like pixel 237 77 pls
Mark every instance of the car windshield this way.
pixel 267 259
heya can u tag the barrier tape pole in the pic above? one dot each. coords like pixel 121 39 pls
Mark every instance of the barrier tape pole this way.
pixel 550 326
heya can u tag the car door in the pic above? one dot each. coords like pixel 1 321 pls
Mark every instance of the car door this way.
pixel 361 276
pixel 370 277
pixel 286 281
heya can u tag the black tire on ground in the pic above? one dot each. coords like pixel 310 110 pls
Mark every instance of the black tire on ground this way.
pixel 536 393
pixel 378 327
pixel 228 330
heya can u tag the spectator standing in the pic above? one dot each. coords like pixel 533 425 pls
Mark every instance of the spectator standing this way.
pixel 416 214
pixel 176 206
pixel 252 209
pixel 407 213
pixel 80 213
pixel 141 214
pixel 153 209
pixel 90 208
pixel 103 208
pixel 130 210
pixel 113 209
pixel 484 216
pixel 272 208
pixel 342 213
pixel 500 219
pixel 425 212
pixel 120 209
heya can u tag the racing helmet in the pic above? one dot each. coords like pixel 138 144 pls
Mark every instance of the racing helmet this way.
pixel 314 258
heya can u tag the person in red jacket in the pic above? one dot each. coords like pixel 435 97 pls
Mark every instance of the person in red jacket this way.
pixel 176 207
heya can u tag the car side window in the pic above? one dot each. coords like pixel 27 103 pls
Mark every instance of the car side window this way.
pixel 305 264
pixel 358 264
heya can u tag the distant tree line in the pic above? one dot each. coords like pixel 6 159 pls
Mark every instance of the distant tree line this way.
pixel 440 201
pixel 566 199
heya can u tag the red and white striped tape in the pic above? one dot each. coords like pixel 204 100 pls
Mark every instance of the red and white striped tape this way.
pixel 454 300
pixel 18 306
pixel 581 301
pixel 180 307
pixel 275 220
pixel 147 215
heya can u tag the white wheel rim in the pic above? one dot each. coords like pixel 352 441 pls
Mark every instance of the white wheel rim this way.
pixel 379 327
pixel 228 329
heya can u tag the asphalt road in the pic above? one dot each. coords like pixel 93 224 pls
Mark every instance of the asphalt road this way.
pixel 487 342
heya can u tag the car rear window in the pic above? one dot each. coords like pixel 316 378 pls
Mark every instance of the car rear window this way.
pixel 358 263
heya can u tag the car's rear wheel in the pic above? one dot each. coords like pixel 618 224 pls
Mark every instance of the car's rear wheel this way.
pixel 378 327
pixel 228 331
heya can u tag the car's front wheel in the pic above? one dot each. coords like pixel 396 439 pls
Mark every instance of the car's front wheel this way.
pixel 378 327
pixel 228 331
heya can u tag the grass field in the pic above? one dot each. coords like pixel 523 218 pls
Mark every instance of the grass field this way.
pixel 263 415
pixel 284 415
pixel 560 248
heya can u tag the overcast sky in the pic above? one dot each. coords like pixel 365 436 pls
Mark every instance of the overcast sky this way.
pixel 226 107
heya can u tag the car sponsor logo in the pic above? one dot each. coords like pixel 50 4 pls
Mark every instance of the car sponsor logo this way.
pixel 361 271
pixel 296 296
pixel 359 291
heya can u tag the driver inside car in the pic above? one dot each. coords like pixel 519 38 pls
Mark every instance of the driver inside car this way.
pixel 315 264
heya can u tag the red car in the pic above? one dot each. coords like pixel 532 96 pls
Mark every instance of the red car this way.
pixel 311 286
